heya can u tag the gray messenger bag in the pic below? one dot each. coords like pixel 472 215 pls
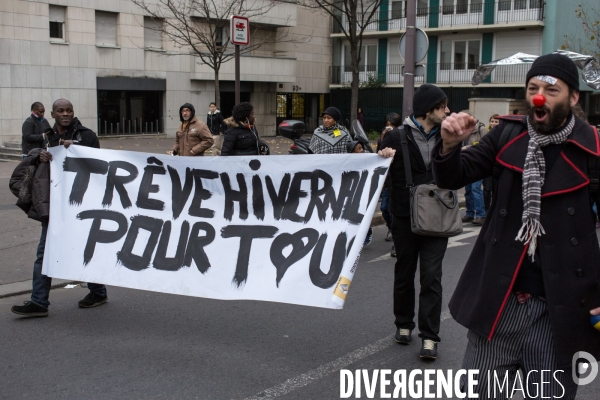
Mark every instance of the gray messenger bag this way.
pixel 433 211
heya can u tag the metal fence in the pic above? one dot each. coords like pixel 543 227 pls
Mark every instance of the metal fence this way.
pixel 128 127
pixel 480 13
pixel 391 74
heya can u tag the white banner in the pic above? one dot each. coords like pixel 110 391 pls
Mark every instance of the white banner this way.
pixel 276 228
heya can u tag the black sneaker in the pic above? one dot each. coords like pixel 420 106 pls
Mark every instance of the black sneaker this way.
pixel 428 349
pixel 30 309
pixel 92 300
pixel 403 336
pixel 393 252
pixel 466 218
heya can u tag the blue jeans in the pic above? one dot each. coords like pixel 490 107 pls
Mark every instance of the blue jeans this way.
pixel 385 208
pixel 41 283
pixel 474 200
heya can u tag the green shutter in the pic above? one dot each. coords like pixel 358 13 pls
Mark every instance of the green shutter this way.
pixel 383 15
pixel 382 59
pixel 434 13
pixel 431 74
pixel 488 12
pixel 487 46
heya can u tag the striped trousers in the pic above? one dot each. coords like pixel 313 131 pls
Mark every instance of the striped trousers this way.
pixel 522 340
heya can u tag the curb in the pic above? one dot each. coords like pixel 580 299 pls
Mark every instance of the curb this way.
pixel 23 287
pixel 141 136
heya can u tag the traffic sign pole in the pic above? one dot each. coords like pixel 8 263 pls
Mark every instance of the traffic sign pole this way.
pixel 409 65
pixel 240 35
pixel 237 74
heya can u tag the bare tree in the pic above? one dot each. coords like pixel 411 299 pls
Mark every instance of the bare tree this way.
pixel 200 28
pixel 351 17
pixel 589 41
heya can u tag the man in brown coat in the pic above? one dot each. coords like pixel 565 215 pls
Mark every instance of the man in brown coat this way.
pixel 193 137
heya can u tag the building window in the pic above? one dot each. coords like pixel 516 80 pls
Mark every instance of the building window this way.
pixel 422 8
pixel 504 5
pixel 57 23
pixel 459 54
pixel 153 33
pixel 398 9
pixel 219 36
pixel 368 58
pixel 106 28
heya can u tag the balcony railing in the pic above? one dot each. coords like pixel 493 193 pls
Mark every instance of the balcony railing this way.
pixel 499 12
pixel 391 74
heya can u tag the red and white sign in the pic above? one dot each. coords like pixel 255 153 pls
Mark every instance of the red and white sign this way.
pixel 239 31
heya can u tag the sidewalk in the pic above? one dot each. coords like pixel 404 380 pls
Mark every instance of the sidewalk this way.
pixel 19 235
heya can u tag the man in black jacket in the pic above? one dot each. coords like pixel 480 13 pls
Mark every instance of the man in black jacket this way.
pixel 423 132
pixel 214 120
pixel 34 129
pixel 67 131
pixel 532 280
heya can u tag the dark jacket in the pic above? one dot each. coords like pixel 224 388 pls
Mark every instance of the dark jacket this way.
pixel 215 123
pixel 568 251
pixel 399 193
pixel 239 140
pixel 30 183
pixel 77 132
pixel 33 137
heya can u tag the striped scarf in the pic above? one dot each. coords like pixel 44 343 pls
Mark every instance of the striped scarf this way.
pixel 534 173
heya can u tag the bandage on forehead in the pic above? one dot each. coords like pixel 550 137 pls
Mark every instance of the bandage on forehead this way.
pixel 547 78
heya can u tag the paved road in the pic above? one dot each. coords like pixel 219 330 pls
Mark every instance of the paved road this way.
pixel 150 345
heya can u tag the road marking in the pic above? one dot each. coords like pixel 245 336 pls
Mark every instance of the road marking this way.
pixel 452 242
pixel 467 233
pixel 333 366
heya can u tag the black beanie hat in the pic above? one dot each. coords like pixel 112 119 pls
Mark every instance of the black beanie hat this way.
pixel 426 98
pixel 333 113
pixel 555 65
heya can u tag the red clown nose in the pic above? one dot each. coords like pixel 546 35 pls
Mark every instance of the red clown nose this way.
pixel 539 100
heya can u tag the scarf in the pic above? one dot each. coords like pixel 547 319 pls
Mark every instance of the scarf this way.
pixel 325 141
pixel 534 173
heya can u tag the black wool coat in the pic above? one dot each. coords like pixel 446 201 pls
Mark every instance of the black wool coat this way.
pixel 569 251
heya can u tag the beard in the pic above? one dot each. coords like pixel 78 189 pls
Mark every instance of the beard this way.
pixel 434 120
pixel 554 119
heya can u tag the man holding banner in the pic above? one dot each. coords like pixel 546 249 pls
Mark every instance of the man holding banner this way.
pixel 67 130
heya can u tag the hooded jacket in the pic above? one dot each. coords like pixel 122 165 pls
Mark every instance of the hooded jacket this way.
pixel 240 140
pixel 215 122
pixel 195 139
pixel 81 136
pixel 420 164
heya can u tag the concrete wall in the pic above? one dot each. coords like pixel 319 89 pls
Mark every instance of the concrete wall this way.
pixel 32 68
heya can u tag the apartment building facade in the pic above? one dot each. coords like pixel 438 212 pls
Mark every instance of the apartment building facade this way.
pixel 462 34
pixel 125 77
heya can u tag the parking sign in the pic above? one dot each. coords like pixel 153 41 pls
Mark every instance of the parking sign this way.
pixel 239 30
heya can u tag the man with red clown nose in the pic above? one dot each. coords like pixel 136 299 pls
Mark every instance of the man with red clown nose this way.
pixel 531 283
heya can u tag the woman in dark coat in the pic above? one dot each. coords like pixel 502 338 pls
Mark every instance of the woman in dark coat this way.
pixel 241 137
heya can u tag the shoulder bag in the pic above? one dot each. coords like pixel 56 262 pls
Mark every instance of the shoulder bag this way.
pixel 433 211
